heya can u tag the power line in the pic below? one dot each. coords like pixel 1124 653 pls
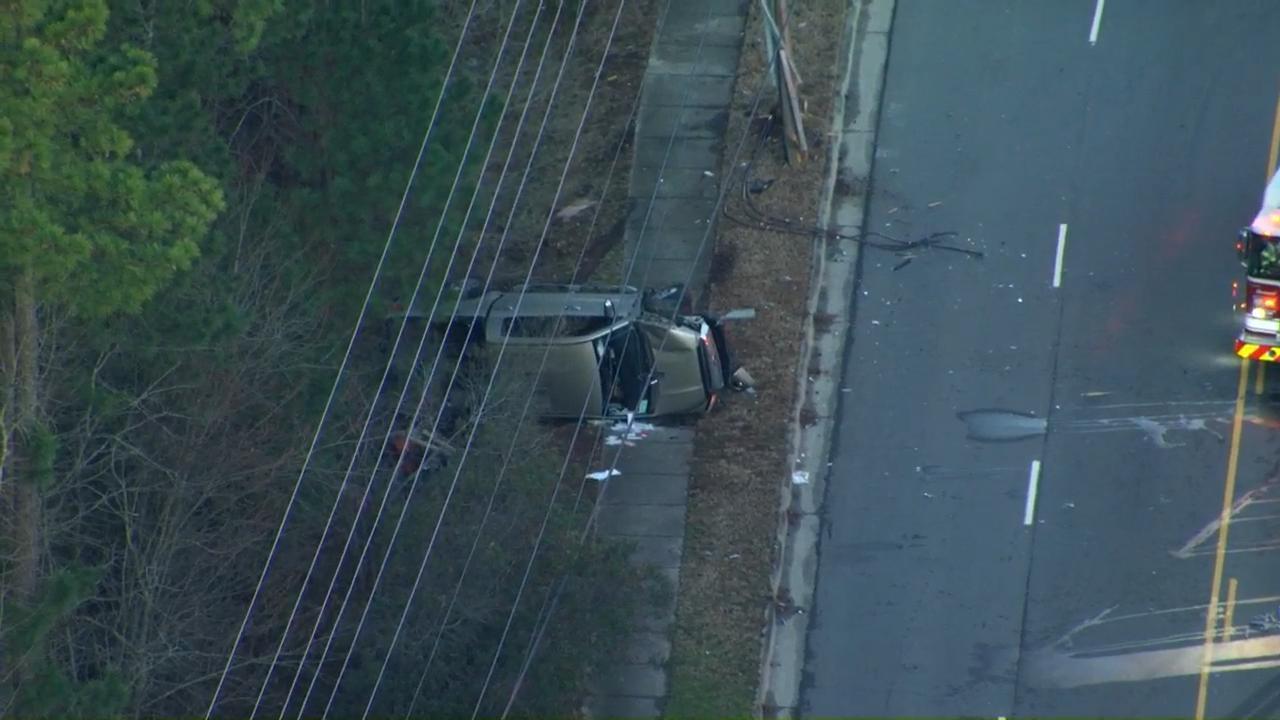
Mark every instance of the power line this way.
pixel 498 361
pixel 498 483
pixel 346 357
pixel 394 350
pixel 539 628
pixel 528 401
pixel 679 301
pixel 666 157
pixel 421 401
pixel 412 487
pixel 370 415
pixel 631 265
pixel 568 455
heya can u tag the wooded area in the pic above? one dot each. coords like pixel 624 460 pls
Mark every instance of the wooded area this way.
pixel 193 199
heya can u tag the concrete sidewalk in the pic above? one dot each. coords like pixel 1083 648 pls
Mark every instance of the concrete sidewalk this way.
pixel 683 117
pixel 674 183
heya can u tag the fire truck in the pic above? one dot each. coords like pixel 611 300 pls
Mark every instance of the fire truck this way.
pixel 1258 247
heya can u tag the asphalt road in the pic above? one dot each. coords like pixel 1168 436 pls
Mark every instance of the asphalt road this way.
pixel 941 589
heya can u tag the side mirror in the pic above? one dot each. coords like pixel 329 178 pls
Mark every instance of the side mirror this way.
pixel 1242 246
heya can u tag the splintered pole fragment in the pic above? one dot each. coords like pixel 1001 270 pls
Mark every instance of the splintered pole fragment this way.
pixel 788 81
pixel 792 120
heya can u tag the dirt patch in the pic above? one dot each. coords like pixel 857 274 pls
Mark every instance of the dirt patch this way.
pixel 740 457
pixel 723 262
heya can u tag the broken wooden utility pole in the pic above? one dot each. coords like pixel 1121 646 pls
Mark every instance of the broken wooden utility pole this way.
pixel 777 28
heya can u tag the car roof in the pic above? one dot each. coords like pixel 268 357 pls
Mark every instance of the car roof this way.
pixel 541 300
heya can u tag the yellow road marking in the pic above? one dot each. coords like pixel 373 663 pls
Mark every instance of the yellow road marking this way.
pixel 1229 491
pixel 1228 620
pixel 1224 524
pixel 1260 381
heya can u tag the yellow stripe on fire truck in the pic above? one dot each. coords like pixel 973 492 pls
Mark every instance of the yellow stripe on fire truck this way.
pixel 1253 351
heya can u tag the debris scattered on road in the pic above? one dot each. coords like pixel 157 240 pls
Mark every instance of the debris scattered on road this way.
pixel 902 264
pixel 935 203
pixel 800 477
pixel 1068 505
pixel 708 173
pixel 603 475
pixel 1266 622
pixel 928 495
pixel 1095 394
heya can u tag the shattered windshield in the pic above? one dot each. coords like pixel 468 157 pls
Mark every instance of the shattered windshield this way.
pixel 1264 256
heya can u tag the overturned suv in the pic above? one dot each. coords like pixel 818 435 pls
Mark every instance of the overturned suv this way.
pixel 610 351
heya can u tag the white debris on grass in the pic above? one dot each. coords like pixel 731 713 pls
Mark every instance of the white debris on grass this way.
pixel 603 475
pixel 574 208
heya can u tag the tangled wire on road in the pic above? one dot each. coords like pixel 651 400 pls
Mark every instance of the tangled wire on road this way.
pixel 761 220
pixel 1264 623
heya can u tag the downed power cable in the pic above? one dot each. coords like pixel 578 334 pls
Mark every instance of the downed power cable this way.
pixel 761 220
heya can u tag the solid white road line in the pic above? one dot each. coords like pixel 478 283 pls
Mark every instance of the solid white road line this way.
pixel 1033 484
pixel 1057 261
pixel 1097 22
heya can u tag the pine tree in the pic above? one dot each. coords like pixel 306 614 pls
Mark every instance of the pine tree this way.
pixel 86 227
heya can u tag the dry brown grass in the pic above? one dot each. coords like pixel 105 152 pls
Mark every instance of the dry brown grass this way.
pixel 609 126
pixel 740 461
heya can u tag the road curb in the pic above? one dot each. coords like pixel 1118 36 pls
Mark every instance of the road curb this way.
pixel 832 280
